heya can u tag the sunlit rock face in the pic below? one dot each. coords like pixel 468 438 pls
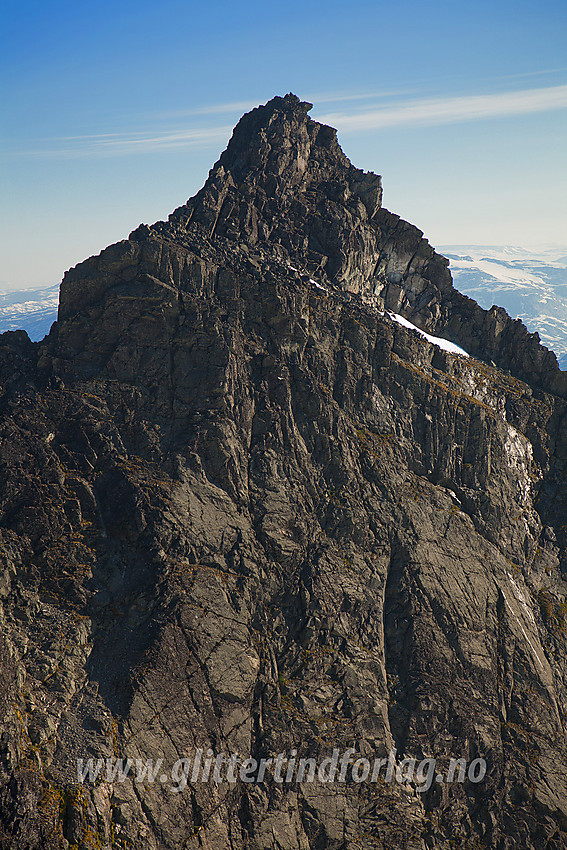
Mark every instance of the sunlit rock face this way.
pixel 246 511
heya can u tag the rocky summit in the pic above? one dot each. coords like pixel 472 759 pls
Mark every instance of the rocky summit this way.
pixel 277 570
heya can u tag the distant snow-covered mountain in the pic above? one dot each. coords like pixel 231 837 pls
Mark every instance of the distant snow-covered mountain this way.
pixel 530 285
pixel 32 310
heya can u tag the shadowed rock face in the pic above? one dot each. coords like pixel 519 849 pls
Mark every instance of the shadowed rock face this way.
pixel 243 510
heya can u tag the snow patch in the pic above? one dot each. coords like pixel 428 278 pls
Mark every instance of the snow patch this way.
pixel 445 344
pixel 318 285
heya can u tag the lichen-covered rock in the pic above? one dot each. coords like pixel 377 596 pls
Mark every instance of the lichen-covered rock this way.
pixel 243 511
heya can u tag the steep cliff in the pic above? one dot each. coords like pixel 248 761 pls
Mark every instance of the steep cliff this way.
pixel 244 510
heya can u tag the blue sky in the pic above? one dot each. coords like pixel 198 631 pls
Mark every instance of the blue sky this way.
pixel 113 113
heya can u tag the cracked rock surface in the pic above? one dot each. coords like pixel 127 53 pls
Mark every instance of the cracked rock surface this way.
pixel 244 511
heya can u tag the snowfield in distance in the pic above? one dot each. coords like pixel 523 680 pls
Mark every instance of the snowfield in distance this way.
pixel 31 310
pixel 530 285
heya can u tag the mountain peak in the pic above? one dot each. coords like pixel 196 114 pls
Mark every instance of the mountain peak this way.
pixel 277 137
pixel 277 148
pixel 284 199
pixel 246 507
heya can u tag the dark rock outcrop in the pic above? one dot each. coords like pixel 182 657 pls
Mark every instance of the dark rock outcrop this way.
pixel 243 510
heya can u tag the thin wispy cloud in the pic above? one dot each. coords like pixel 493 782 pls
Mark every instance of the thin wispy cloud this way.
pixel 376 116
pixel 541 73
pixel 236 106
pixel 336 98
pixel 451 110
pixel 240 106
pixel 162 141
pixel 115 144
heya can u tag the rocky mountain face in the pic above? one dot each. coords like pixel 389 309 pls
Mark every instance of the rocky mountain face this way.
pixel 244 511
